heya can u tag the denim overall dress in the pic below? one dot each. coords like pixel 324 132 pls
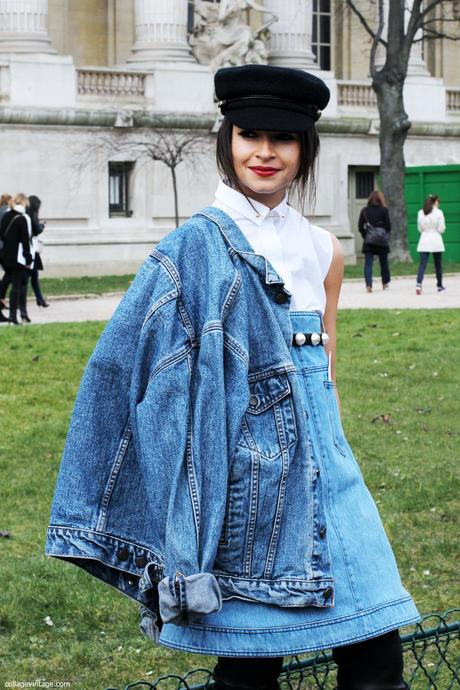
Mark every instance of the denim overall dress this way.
pixel 369 596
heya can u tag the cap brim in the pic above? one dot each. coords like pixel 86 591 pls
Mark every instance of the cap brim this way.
pixel 270 119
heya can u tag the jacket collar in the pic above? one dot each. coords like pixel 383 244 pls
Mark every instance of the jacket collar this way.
pixel 238 242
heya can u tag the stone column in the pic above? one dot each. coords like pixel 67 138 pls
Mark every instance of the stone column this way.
pixel 160 32
pixel 24 27
pixel 290 42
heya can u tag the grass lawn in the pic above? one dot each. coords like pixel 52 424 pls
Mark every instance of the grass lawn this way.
pixel 403 364
pixel 99 284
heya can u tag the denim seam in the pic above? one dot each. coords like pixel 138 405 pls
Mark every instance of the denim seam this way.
pixel 279 510
pixel 272 371
pixel 114 472
pixel 168 360
pixel 174 274
pixel 231 295
pixel 165 299
pixel 232 344
pixel 194 497
pixel 310 624
pixel 254 494
pixel 299 650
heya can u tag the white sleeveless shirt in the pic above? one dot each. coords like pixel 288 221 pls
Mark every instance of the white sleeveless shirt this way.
pixel 300 252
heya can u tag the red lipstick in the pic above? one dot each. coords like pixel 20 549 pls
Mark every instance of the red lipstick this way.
pixel 263 171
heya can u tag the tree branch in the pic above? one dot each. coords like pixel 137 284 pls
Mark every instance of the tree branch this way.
pixel 364 21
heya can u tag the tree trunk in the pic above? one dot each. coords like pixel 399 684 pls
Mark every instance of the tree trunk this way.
pixel 394 126
pixel 176 199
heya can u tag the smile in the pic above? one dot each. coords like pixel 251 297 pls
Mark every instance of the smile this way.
pixel 264 172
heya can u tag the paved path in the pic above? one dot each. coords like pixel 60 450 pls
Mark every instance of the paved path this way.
pixel 400 295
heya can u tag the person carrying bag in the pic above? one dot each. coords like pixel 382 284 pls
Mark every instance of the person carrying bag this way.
pixel 374 225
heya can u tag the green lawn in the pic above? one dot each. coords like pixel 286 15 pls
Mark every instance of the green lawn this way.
pixel 403 364
pixel 99 284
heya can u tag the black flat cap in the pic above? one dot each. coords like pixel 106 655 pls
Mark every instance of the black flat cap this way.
pixel 270 98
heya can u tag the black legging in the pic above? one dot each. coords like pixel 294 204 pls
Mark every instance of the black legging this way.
pixel 374 664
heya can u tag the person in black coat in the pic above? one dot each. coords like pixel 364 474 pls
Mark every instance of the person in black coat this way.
pixel 376 214
pixel 37 228
pixel 17 254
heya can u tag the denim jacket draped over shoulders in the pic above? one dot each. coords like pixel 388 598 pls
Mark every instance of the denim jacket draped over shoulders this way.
pixel 186 475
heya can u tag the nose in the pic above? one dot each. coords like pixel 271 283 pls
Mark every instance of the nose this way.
pixel 265 149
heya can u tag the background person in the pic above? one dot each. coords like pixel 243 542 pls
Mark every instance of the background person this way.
pixel 376 214
pixel 17 254
pixel 37 228
pixel 431 225
pixel 4 207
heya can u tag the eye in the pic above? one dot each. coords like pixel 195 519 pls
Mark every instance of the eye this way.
pixel 247 134
pixel 285 136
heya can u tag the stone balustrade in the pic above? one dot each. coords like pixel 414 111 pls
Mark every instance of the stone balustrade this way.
pixel 103 84
pixel 453 100
pixel 356 94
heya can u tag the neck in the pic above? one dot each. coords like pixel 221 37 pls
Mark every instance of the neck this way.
pixel 271 199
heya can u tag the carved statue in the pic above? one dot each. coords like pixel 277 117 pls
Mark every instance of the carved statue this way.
pixel 222 36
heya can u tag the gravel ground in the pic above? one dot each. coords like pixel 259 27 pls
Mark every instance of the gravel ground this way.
pixel 400 295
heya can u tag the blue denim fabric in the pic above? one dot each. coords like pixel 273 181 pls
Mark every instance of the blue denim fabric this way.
pixel 369 597
pixel 187 462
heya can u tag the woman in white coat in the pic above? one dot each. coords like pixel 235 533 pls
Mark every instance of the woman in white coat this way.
pixel 431 225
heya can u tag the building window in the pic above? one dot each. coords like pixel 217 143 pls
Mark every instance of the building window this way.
pixel 364 184
pixel 321 38
pixel 191 13
pixel 119 177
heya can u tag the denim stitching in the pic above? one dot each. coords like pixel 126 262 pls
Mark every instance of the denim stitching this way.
pixel 121 452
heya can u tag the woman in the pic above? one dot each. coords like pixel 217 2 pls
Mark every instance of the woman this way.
pixel 227 500
pixel 375 214
pixel 431 225
pixel 17 255
pixel 37 228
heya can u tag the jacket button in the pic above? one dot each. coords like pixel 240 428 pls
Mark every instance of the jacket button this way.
pixel 140 561
pixel 123 554
pixel 253 400
pixel 322 532
pixel 318 471
pixel 328 592
pixel 281 298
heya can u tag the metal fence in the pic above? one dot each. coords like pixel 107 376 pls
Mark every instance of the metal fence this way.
pixel 431 662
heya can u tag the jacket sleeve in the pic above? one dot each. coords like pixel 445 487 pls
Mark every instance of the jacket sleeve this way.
pixel 441 224
pixel 419 221
pixel 387 220
pixel 361 224
pixel 187 416
pixel 25 241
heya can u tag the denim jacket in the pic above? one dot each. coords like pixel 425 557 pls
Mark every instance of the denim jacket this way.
pixel 187 475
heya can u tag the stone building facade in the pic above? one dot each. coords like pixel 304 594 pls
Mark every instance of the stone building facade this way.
pixel 75 74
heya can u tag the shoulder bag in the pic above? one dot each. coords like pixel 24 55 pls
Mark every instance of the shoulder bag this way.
pixel 375 236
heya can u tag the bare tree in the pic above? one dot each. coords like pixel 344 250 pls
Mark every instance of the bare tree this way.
pixel 407 22
pixel 166 145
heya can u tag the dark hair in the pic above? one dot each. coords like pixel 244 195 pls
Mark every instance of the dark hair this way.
pixel 305 178
pixel 376 198
pixel 429 203
pixel 34 203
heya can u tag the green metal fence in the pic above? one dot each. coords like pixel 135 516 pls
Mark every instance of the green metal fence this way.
pixel 431 662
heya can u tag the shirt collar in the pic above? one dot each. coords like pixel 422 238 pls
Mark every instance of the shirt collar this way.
pixel 251 210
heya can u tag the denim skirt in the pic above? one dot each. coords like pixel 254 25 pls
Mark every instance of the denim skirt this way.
pixel 369 596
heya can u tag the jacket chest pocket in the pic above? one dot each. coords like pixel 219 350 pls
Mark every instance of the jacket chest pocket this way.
pixel 268 426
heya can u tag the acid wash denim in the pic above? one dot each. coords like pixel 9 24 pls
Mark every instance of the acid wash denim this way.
pixel 187 474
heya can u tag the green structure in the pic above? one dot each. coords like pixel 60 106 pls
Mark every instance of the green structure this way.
pixel 443 180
